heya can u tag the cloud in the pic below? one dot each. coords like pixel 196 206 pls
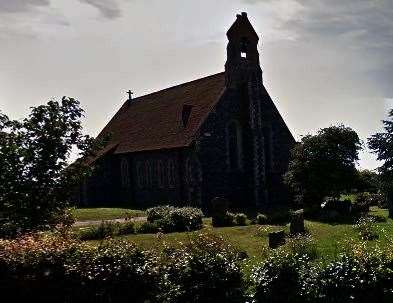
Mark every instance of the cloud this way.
pixel 108 8
pixel 17 6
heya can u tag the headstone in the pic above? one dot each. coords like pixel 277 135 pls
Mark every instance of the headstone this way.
pixel 219 211
pixel 297 222
pixel 276 239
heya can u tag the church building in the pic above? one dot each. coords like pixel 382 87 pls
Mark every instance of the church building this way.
pixel 218 136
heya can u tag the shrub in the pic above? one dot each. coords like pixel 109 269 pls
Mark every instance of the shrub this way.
pixel 171 219
pixel 362 203
pixel 302 245
pixel 366 229
pixel 104 230
pixel 355 278
pixel 126 228
pixel 205 270
pixel 147 228
pixel 261 219
pixel 158 213
pixel 240 219
pixel 279 278
pixel 222 221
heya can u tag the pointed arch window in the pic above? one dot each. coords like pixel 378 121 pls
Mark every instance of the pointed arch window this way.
pixel 140 174
pixel 171 174
pixel 148 175
pixel 125 173
pixel 234 145
pixel 160 174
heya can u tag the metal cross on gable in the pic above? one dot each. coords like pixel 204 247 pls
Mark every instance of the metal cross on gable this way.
pixel 130 93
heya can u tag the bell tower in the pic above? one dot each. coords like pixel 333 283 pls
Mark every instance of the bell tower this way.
pixel 242 53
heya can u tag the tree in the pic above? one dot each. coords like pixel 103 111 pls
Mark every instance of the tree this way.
pixel 323 165
pixel 36 180
pixel 382 145
pixel 368 181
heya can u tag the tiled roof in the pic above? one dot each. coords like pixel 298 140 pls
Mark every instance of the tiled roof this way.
pixel 155 121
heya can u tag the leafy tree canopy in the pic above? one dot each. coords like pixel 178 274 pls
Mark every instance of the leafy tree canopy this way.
pixel 323 164
pixel 382 145
pixel 36 179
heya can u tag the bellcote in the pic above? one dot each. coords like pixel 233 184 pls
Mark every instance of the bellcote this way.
pixel 242 52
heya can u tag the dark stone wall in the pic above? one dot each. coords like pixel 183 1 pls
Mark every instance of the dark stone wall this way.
pixel 105 186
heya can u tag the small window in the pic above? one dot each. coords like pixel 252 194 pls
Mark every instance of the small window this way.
pixel 125 174
pixel 243 54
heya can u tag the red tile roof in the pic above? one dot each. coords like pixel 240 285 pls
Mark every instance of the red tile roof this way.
pixel 154 121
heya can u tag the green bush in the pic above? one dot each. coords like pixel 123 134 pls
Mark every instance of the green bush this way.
pixel 104 230
pixel 147 228
pixel 240 219
pixel 223 221
pixel 280 278
pixel 46 268
pixel 126 228
pixel 366 228
pixel 353 278
pixel 171 219
pixel 302 245
pixel 205 270
pixel 261 219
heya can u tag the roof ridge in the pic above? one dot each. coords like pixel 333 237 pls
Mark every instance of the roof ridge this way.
pixel 174 86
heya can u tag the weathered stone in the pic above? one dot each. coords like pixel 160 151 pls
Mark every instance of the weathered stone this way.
pixel 297 222
pixel 276 239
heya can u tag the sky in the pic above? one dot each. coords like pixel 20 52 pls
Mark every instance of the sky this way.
pixel 324 62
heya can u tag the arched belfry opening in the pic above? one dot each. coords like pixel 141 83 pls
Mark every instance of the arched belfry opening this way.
pixel 242 52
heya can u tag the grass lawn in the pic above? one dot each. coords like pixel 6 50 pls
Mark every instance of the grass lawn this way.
pixel 98 214
pixel 253 238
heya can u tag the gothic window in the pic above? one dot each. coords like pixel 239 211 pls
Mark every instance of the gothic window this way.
pixel 148 175
pixel 234 144
pixel 171 174
pixel 140 174
pixel 125 174
pixel 160 174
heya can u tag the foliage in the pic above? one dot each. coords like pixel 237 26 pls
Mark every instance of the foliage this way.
pixel 240 219
pixel 362 203
pixel 357 276
pixel 279 278
pixel 223 220
pixel 36 180
pixel 206 269
pixel 261 219
pixel 368 181
pixel 302 245
pixel 171 219
pixel 55 269
pixel 147 228
pixel 106 229
pixel 366 228
pixel 323 165
pixel 382 145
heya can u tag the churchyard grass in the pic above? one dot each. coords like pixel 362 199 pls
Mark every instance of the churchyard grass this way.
pixel 253 239
pixel 98 214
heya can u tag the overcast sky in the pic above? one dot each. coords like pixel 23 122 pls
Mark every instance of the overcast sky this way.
pixel 324 61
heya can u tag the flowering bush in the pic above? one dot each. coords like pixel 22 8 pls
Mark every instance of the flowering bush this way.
pixel 240 219
pixel 280 278
pixel 365 227
pixel 205 270
pixel 171 219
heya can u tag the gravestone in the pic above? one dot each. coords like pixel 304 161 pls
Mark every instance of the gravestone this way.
pixel 219 211
pixel 297 222
pixel 276 238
